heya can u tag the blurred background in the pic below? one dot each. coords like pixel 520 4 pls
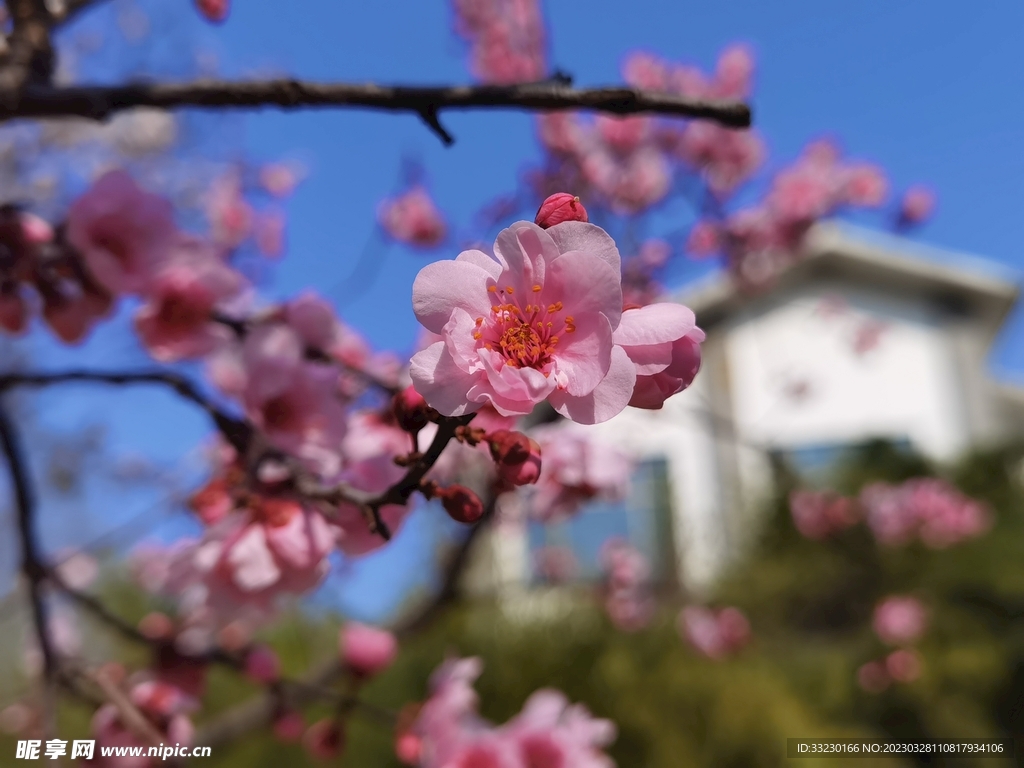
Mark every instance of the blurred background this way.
pixel 822 536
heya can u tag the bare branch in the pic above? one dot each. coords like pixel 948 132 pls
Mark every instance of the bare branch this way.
pixel 29 57
pixel 31 560
pixel 130 716
pixel 235 430
pixel 99 102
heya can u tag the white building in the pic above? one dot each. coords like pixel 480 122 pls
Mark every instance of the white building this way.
pixel 869 336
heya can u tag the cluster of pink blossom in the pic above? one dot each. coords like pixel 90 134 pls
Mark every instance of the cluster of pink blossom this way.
pixel 543 320
pixel 506 39
pixel 578 468
pixel 627 590
pixel 899 620
pixel 714 634
pixel 413 218
pixel 761 240
pixel 819 515
pixel 555 564
pixel 929 509
pixel 234 221
pixel 446 730
pixel 628 163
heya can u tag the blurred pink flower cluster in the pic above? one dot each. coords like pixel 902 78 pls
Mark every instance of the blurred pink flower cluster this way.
pixel 628 163
pixel 819 515
pixel 578 468
pixel 446 729
pixel 506 39
pixel 928 509
pixel 761 240
pixel 413 218
pixel 628 600
pixel 714 634
pixel 899 620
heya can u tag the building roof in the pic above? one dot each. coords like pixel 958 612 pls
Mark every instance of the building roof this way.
pixel 839 252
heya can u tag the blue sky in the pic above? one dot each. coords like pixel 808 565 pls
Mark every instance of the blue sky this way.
pixel 929 90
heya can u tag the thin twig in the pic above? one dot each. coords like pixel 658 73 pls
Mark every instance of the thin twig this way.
pixel 31 560
pixel 130 715
pixel 99 102
pixel 235 430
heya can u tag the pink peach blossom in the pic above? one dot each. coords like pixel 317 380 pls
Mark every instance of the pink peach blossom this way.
pixel 917 204
pixel 413 218
pixel 122 232
pixel 577 468
pixel 900 620
pixel 533 324
pixel 177 322
pixel 819 515
pixel 663 343
pixel 714 634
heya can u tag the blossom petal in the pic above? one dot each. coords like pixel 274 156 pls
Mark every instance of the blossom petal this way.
pixel 441 382
pixel 444 285
pixel 650 358
pixel 584 355
pixel 654 324
pixel 584 283
pixel 482 260
pixel 608 399
pixel 252 565
pixel 586 237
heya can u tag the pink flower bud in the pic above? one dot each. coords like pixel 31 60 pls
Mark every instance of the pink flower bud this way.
pixel 411 410
pixel 903 665
pixel 560 207
pixel 408 748
pixel 262 665
pixel 214 10
pixel 325 739
pixel 461 504
pixel 516 457
pixel 917 205
pixel 873 677
pixel 289 726
pixel 366 650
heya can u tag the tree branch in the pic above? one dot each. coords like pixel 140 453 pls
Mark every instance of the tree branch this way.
pixel 99 102
pixel 237 432
pixel 31 560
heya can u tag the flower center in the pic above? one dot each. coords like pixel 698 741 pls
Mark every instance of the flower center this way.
pixel 525 335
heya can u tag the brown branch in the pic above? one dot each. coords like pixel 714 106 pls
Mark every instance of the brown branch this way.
pixel 130 715
pixel 98 102
pixel 237 432
pixel 29 57
pixel 399 493
pixel 31 559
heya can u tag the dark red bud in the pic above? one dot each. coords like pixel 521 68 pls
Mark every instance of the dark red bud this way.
pixel 516 457
pixel 461 504
pixel 560 207
pixel 411 410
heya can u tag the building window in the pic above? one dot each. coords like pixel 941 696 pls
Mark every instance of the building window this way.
pixel 643 518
